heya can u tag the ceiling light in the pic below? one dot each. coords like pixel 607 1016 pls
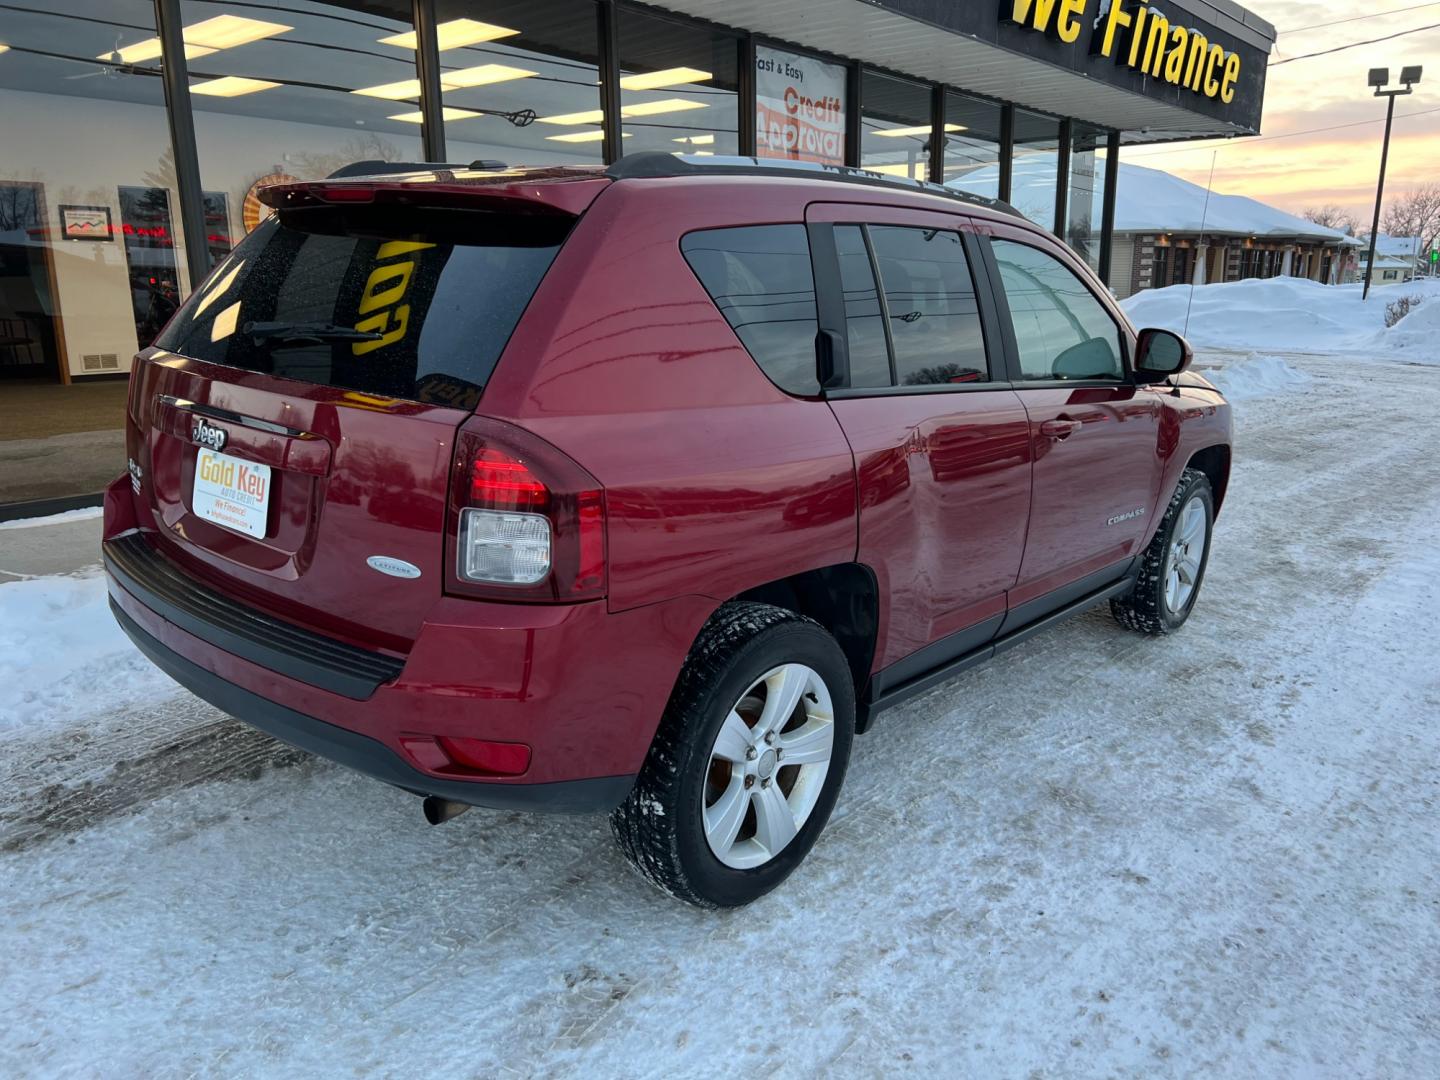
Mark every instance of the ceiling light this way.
pixel 395 91
pixel 697 140
pixel 919 129
pixel 592 116
pixel 229 31
pixel 483 75
pixel 447 113
pixel 4 47
pixel 454 34
pixel 231 86
pixel 150 49
pixel 580 136
pixel 655 108
pixel 653 80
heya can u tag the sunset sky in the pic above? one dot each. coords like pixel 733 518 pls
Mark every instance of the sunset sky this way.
pixel 1337 166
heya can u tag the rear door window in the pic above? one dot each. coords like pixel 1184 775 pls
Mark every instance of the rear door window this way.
pixel 760 278
pixel 406 304
pixel 930 298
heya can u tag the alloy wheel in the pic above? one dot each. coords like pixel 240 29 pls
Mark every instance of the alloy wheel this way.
pixel 768 766
pixel 1186 555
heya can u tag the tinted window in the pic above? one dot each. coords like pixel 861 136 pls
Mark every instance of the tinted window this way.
pixel 760 279
pixel 419 307
pixel 869 352
pixel 1062 330
pixel 930 297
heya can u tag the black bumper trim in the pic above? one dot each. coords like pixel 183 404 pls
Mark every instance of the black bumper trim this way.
pixel 364 754
pixel 284 648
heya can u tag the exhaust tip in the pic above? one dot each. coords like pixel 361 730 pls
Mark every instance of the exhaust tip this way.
pixel 438 811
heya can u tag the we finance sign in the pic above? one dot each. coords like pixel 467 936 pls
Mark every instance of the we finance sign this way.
pixel 1137 36
pixel 800 107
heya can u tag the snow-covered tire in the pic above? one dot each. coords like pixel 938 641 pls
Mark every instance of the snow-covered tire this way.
pixel 1155 606
pixel 662 827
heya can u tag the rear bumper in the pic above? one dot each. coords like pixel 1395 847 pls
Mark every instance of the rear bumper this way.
pixel 582 686
pixel 367 755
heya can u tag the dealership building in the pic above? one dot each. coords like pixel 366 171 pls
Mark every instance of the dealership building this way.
pixel 136 133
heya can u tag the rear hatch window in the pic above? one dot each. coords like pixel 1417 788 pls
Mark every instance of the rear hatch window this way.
pixel 401 302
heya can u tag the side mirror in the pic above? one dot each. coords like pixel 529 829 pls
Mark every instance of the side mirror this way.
pixel 1161 354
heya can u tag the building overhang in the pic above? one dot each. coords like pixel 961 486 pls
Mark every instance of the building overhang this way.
pixel 976 47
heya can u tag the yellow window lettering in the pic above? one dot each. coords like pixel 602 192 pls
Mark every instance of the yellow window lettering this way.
pixel 386 286
pixel 1232 75
pixel 399 247
pixel 380 324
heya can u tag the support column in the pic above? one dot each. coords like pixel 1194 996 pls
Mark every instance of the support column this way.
pixel 1317 271
pixel 1288 263
pixel 1202 252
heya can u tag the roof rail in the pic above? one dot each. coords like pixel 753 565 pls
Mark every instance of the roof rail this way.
pixel 386 168
pixel 657 163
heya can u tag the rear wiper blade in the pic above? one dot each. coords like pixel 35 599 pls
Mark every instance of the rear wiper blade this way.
pixel 303 331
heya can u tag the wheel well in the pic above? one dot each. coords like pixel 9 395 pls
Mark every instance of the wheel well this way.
pixel 1214 462
pixel 844 599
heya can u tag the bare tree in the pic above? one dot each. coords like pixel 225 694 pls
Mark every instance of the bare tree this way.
pixel 1416 213
pixel 1331 216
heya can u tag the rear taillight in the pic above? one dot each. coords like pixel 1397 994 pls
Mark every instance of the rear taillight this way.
pixel 527 523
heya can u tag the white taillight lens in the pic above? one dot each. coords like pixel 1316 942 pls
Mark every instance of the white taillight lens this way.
pixel 501 547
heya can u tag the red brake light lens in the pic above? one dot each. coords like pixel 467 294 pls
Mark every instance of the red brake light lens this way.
pixel 501 482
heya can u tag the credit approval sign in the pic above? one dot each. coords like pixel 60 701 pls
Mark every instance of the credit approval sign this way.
pixel 800 107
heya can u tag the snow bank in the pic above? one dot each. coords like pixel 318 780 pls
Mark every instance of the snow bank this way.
pixel 1257 375
pixel 1417 334
pixel 1283 314
pixel 62 656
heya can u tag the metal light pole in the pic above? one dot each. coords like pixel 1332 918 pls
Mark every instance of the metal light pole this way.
pixel 1379 79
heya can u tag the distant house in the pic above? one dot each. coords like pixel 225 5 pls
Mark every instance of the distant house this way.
pixel 1397 258
pixel 1169 231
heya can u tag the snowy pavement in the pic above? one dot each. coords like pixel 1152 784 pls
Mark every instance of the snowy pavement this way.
pixel 1215 854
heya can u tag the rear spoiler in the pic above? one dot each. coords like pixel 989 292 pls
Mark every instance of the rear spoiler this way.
pixel 565 192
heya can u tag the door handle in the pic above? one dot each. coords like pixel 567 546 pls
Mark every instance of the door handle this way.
pixel 1060 430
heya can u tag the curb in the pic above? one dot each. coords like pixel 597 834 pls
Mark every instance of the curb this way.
pixel 46 507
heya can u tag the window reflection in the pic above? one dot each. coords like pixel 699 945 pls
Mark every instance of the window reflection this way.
pixel 678 84
pixel 1037 164
pixel 1087 185
pixel 293 91
pixel 88 203
pixel 894 126
pixel 520 80
pixel 972 145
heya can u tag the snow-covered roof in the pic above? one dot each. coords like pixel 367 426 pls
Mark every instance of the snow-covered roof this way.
pixel 1149 201
pixel 1395 247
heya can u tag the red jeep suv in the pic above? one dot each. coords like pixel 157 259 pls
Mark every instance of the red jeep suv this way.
pixel 643 490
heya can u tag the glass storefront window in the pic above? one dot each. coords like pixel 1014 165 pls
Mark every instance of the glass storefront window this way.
pixel 678 86
pixel 292 91
pixel 90 255
pixel 1037 165
pixel 1084 203
pixel 972 145
pixel 520 81
pixel 894 126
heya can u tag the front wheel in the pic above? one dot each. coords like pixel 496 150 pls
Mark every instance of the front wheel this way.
pixel 748 760
pixel 1173 566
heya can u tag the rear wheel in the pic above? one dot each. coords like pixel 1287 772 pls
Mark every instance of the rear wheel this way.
pixel 1173 567
pixel 748 761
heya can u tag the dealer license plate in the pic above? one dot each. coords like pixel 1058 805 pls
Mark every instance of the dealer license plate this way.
pixel 231 492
